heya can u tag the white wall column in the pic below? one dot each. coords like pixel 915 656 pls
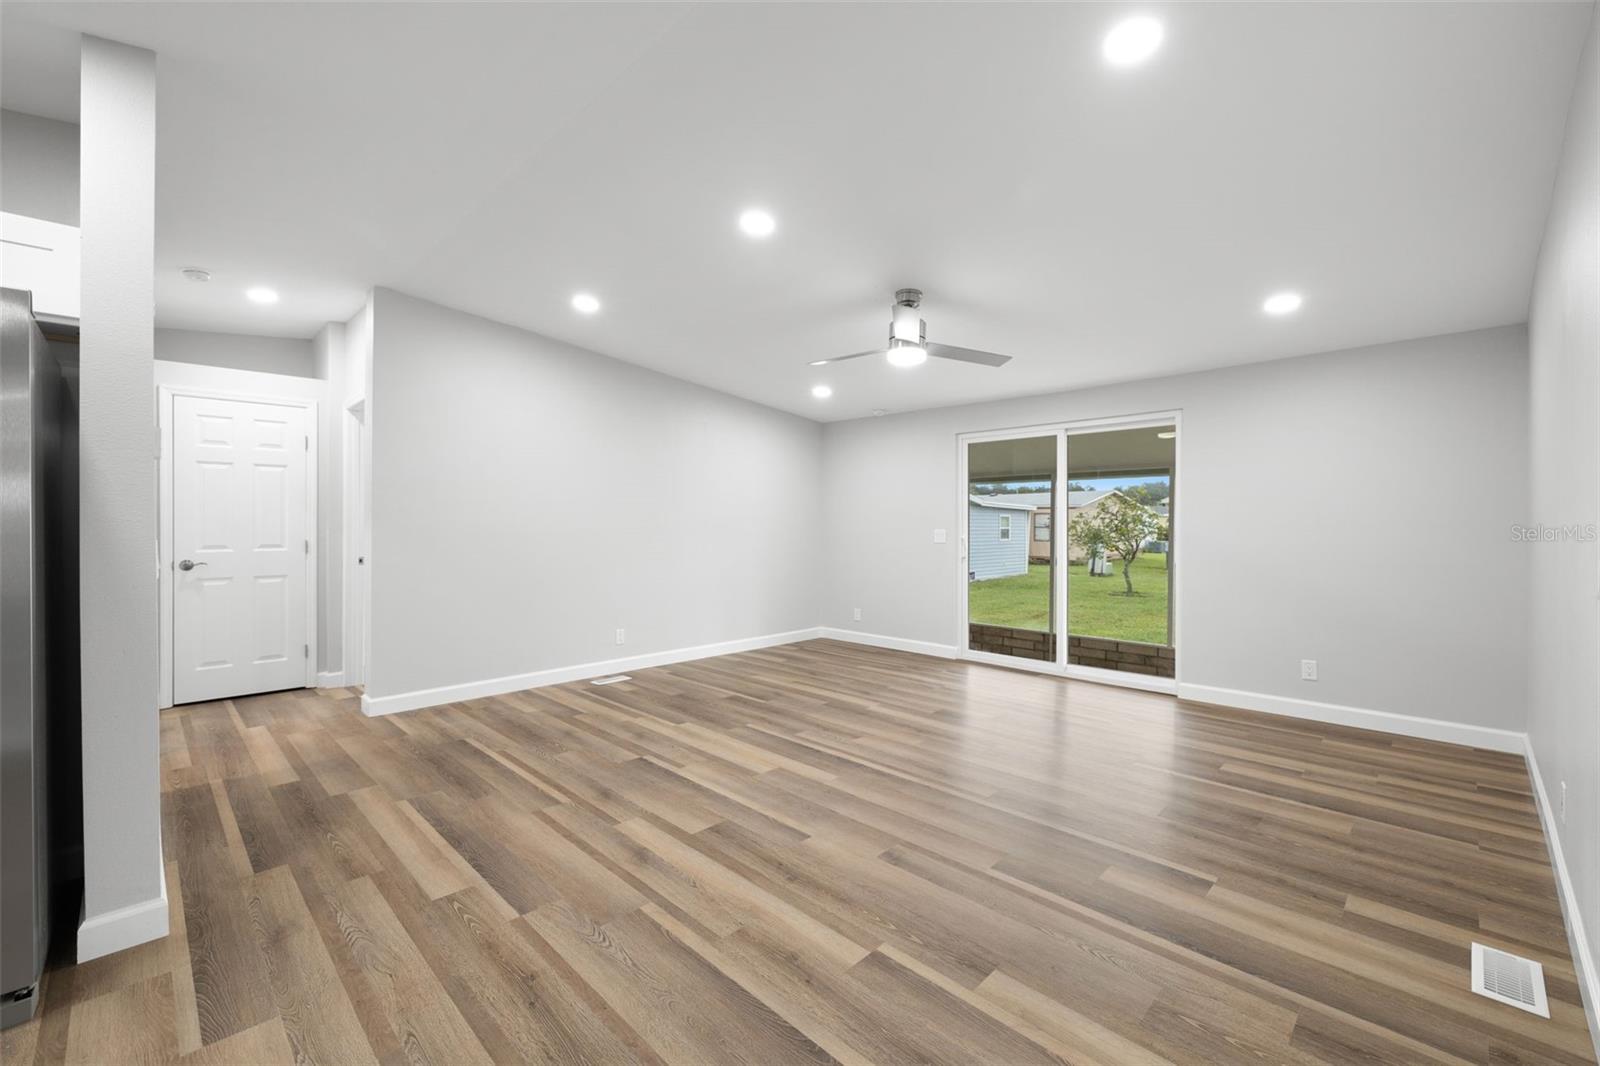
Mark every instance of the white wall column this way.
pixel 124 888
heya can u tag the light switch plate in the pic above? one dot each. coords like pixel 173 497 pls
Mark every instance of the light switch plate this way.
pixel 938 536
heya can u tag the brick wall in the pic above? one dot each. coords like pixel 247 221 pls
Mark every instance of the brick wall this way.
pixel 1018 643
pixel 1157 660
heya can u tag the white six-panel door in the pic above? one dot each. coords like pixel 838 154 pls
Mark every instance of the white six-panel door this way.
pixel 239 548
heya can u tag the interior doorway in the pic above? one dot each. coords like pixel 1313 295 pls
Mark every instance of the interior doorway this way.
pixel 1067 554
pixel 357 546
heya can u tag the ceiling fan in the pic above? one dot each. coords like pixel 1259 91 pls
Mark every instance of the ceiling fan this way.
pixel 908 345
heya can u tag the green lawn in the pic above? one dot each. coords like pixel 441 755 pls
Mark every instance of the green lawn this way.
pixel 1098 606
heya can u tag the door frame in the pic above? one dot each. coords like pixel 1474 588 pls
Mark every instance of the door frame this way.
pixel 356 543
pixel 1064 431
pixel 963 567
pixel 165 456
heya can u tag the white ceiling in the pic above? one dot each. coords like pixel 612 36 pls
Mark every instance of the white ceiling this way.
pixel 1392 161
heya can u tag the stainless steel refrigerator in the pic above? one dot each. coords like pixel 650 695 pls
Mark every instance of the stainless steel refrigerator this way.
pixel 40 775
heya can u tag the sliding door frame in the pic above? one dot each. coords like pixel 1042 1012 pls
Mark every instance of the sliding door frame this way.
pixel 1063 432
pixel 963 567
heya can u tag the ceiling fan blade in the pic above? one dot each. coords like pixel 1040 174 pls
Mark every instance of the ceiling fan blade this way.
pixel 842 358
pixel 966 355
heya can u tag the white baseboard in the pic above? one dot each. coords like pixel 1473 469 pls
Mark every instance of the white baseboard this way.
pixel 373 706
pixel 126 927
pixel 1472 736
pixel 330 679
pixel 877 640
pixel 1578 944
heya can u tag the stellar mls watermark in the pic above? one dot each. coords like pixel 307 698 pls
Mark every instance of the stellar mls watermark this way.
pixel 1572 533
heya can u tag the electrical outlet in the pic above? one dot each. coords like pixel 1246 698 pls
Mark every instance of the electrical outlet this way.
pixel 938 536
pixel 857 614
pixel 622 636
pixel 1562 815
pixel 1308 669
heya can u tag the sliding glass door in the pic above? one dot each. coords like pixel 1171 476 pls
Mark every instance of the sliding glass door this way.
pixel 1067 549
pixel 1010 546
pixel 1120 485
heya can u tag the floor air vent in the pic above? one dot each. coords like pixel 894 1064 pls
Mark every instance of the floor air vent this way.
pixel 612 680
pixel 1510 979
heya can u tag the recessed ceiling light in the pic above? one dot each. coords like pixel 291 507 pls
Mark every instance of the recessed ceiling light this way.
pixel 757 223
pixel 261 295
pixel 585 303
pixel 878 412
pixel 904 355
pixel 196 274
pixel 1132 41
pixel 1282 303
pixel 821 392
pixel 1167 434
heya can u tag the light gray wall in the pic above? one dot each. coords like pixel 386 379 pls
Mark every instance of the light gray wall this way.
pixel 357 374
pixel 121 741
pixel 39 167
pixel 1350 508
pixel 237 351
pixel 1564 483
pixel 328 351
pixel 530 497
pixel 340 360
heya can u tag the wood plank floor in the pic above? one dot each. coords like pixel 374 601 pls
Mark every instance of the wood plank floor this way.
pixel 821 852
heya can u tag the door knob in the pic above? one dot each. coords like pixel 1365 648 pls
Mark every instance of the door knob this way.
pixel 189 564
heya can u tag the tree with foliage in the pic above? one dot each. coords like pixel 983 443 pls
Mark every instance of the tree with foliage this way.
pixel 1148 493
pixel 1120 525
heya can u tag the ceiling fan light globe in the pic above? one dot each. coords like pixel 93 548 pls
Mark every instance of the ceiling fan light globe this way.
pixel 907 355
pixel 907 325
